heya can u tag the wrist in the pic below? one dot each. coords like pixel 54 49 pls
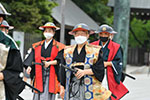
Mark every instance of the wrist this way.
pixel 108 63
pixel 29 67
pixel 49 63
pixel 62 87
pixel 1 76
pixel 85 72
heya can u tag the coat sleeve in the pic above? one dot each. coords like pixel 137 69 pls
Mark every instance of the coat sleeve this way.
pixel 98 68
pixel 117 65
pixel 28 62
pixel 62 73
pixel 29 59
pixel 13 83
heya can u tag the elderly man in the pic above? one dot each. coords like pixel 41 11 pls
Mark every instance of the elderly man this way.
pixel 85 84
pixel 112 56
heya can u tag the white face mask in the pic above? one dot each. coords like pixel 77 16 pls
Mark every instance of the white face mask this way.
pixel 80 39
pixel 48 35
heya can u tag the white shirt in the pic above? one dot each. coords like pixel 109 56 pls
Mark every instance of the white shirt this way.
pixel 47 43
pixel 104 82
pixel 104 44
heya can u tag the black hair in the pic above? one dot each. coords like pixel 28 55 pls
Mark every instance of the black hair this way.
pixel 88 32
pixel 54 29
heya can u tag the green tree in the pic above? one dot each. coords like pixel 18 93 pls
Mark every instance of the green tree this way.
pixel 28 15
pixel 139 35
pixel 96 9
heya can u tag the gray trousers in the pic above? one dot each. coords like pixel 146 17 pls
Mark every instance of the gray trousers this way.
pixel 77 90
pixel 45 95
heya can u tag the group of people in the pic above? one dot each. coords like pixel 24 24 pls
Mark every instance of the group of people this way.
pixel 98 65
pixel 92 70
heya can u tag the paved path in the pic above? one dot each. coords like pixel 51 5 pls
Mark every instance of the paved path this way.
pixel 139 88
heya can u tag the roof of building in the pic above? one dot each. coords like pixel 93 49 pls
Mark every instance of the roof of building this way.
pixel 73 15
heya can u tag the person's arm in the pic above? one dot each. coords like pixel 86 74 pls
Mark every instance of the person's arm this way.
pixel 48 63
pixel 62 82
pixel 117 63
pixel 107 63
pixel 13 83
pixel 80 73
pixel 62 72
pixel 13 68
pixel 54 62
pixel 62 91
pixel 97 70
pixel 62 75
pixel 1 76
pixel 28 61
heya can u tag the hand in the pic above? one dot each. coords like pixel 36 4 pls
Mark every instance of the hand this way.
pixel 80 73
pixel 46 64
pixel 62 92
pixel 28 70
pixel 107 64
pixel 1 76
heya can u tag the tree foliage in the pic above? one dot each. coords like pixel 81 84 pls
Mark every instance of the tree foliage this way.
pixel 139 31
pixel 139 35
pixel 96 9
pixel 28 15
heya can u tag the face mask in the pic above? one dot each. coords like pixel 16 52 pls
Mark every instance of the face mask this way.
pixel 48 35
pixel 80 39
pixel 104 39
